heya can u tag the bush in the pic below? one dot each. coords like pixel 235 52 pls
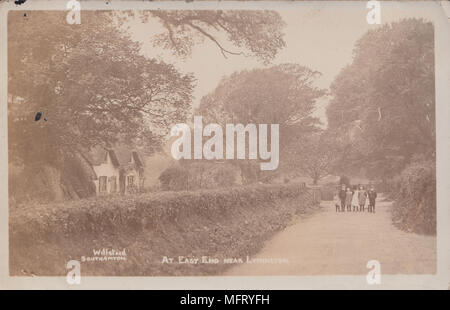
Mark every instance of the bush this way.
pixel 72 178
pixel 174 178
pixel 414 192
pixel 194 176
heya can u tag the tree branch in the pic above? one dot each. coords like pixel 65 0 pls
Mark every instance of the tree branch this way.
pixel 206 34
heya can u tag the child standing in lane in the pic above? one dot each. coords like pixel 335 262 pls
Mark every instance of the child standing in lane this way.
pixel 355 200
pixel 348 199
pixel 342 197
pixel 336 202
pixel 362 198
pixel 372 194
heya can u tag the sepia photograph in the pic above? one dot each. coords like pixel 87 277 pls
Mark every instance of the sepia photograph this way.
pixel 235 142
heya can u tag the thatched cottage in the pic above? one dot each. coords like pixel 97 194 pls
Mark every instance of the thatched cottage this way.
pixel 118 170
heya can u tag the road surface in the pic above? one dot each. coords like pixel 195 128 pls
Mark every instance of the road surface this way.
pixel 330 243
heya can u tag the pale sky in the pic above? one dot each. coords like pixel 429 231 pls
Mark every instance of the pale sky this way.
pixel 319 36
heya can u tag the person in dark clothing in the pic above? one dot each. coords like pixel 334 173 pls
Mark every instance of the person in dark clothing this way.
pixel 342 198
pixel 372 195
pixel 348 199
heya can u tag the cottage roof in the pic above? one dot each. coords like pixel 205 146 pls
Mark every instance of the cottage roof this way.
pixel 96 155
pixel 121 156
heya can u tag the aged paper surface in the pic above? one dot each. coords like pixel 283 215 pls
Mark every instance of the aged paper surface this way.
pixel 252 144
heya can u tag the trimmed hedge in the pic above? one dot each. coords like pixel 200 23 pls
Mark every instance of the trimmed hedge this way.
pixel 222 223
pixel 414 192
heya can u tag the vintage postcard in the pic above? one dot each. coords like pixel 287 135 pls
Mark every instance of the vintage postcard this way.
pixel 225 144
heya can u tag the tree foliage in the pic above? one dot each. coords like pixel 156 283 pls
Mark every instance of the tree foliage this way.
pixel 92 85
pixel 382 110
pixel 310 155
pixel 252 33
pixel 283 94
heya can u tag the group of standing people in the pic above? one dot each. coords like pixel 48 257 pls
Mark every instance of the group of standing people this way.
pixel 355 199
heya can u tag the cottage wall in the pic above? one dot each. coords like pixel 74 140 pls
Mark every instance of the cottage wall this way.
pixel 108 170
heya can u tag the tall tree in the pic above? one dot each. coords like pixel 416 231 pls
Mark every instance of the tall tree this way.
pixel 90 82
pixel 382 110
pixel 95 88
pixel 283 94
pixel 310 155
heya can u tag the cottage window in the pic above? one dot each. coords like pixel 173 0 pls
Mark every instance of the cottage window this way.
pixel 130 180
pixel 102 184
pixel 112 184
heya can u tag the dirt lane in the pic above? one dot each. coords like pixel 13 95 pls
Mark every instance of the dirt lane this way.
pixel 330 243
